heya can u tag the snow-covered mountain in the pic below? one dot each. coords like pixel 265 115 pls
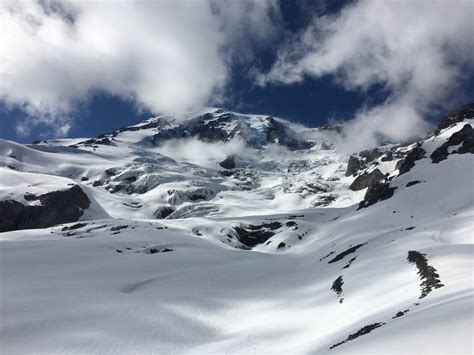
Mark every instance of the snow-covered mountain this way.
pixel 223 232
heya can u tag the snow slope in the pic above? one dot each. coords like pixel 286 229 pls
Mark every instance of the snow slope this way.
pixel 256 268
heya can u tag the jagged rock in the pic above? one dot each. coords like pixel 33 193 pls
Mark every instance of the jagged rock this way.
pixel 370 155
pixel 377 191
pixel 346 252
pixel 336 128
pixel 465 112
pixel 278 133
pixel 406 164
pixel 112 171
pixel 56 207
pixel 226 173
pixel 228 163
pixel 95 141
pixel 253 235
pixel 387 157
pixel 323 200
pixel 464 136
pixel 440 153
pixel 216 127
pixel 353 166
pixel 163 212
pixel 366 179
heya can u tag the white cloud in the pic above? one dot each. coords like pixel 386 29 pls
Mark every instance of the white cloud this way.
pixel 417 50
pixel 196 151
pixel 167 56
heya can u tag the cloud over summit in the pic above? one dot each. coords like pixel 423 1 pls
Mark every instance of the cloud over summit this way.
pixel 166 56
pixel 173 56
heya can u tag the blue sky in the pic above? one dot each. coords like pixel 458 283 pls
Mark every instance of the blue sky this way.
pixel 306 61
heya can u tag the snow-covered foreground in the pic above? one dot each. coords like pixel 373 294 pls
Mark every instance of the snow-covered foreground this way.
pixel 395 277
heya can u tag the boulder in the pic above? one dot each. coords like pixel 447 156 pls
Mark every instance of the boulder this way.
pixel 366 179
pixel 370 155
pixel 56 207
pixel 353 166
pixel 440 153
pixel 408 162
pixel 387 157
pixel 464 136
pixel 377 191
pixel 228 163
pixel 163 212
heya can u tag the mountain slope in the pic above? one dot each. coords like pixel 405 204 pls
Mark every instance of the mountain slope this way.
pixel 244 267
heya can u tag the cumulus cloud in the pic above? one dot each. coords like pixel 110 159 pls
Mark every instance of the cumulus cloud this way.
pixel 165 56
pixel 415 50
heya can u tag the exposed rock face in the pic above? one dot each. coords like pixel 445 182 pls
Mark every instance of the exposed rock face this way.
pixel 378 191
pixel 206 127
pixel 365 180
pixel 56 207
pixel 465 136
pixel 228 163
pixel 252 235
pixel 465 112
pixel 93 142
pixel 441 153
pixel 370 155
pixel 278 133
pixel 406 164
pixel 387 157
pixel 222 126
pixel 354 165
pixel 164 212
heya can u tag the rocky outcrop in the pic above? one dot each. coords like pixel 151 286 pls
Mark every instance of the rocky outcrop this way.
pixel 465 137
pixel 377 191
pixel 353 166
pixel 370 155
pixel 222 126
pixel 387 157
pixel 362 160
pixel 408 162
pixel 228 163
pixel 459 115
pixel 278 133
pixel 56 207
pixel 253 235
pixel 365 180
pixel 163 212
